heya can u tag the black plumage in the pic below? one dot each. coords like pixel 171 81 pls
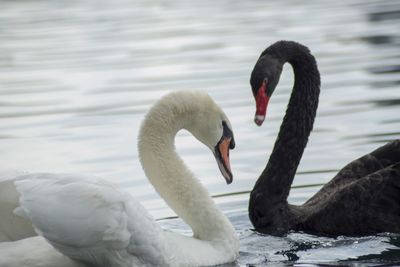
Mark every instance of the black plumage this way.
pixel 363 198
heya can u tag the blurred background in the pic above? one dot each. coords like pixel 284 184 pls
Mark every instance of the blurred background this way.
pixel 76 78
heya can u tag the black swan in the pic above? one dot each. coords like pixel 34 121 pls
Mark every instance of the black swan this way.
pixel 362 199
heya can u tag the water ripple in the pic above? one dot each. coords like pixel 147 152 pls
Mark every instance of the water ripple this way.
pixel 78 77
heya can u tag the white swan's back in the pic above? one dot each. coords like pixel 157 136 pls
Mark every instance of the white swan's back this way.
pixel 89 219
pixel 33 252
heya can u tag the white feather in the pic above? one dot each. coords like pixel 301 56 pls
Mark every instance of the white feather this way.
pixel 12 227
pixel 33 252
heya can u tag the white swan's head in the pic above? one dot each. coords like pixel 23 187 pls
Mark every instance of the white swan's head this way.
pixel 209 124
pixel 196 112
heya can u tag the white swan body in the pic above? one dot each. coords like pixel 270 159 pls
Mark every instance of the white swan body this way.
pixel 33 252
pixel 91 220
pixel 12 226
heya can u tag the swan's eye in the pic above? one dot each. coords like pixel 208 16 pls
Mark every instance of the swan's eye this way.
pixel 265 81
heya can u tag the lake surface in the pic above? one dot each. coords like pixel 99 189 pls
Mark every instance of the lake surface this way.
pixel 78 76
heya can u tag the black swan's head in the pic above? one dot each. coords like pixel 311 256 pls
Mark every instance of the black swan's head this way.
pixel 263 80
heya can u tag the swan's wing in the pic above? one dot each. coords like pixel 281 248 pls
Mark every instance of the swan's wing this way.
pixel 367 205
pixel 376 160
pixel 12 227
pixel 89 219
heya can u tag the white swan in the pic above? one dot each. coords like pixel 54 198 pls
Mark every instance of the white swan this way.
pixel 91 220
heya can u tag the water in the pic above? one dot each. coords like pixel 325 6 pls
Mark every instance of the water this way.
pixel 78 76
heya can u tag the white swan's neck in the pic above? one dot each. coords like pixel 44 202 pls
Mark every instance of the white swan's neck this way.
pixel 170 176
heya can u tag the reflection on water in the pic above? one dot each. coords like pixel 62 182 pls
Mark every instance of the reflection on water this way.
pixel 78 76
pixel 301 249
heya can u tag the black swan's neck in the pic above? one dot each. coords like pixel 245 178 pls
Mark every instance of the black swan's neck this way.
pixel 297 124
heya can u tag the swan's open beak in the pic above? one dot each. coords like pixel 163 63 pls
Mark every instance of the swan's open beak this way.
pixel 261 104
pixel 222 157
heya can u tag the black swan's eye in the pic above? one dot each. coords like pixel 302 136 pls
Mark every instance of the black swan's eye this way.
pixel 265 80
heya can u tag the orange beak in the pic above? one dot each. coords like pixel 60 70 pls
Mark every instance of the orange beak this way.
pixel 222 156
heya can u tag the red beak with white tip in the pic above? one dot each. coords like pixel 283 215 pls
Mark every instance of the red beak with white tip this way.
pixel 262 100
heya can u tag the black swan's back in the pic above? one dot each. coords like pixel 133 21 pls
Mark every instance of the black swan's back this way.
pixel 363 198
